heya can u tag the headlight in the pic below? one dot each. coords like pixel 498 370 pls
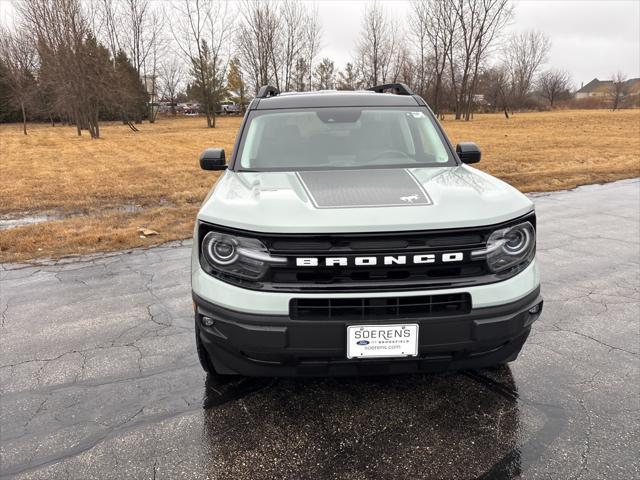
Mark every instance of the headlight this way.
pixel 241 257
pixel 509 247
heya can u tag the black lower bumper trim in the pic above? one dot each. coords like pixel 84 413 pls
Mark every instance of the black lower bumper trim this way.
pixel 276 345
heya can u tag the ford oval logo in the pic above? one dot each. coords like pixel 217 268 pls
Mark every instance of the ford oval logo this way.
pixel 363 342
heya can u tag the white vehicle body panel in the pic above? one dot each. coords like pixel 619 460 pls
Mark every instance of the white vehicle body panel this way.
pixel 366 227
pixel 277 202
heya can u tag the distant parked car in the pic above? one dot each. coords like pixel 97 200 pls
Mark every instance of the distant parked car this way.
pixel 228 108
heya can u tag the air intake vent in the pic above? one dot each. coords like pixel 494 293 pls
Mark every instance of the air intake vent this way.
pixel 386 308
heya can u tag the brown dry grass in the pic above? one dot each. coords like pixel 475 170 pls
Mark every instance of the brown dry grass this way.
pixel 54 170
pixel 538 152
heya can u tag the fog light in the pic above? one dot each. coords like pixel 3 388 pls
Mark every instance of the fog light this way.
pixel 534 310
pixel 207 321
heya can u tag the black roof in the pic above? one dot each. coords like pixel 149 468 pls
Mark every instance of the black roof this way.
pixel 331 98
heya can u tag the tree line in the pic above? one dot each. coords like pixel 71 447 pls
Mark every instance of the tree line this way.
pixel 83 61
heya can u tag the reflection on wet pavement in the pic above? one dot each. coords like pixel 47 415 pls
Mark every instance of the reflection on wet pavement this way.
pixel 221 389
pixel 381 427
pixel 100 379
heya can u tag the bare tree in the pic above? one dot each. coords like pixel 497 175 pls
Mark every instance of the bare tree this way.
pixel 202 32
pixel 524 55
pixel 478 24
pixel 18 55
pixel 256 38
pixel 293 39
pixel 419 37
pixel 110 24
pixel 277 43
pixel 437 31
pixel 401 68
pixel 494 16
pixel 618 89
pixel 170 79
pixel 151 78
pixel 497 88
pixel 552 84
pixel 73 61
pixel 377 44
pixel 141 31
pixel 313 40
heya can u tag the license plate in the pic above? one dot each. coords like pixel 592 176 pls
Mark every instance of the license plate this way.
pixel 369 341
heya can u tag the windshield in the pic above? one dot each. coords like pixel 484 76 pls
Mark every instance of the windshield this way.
pixel 342 138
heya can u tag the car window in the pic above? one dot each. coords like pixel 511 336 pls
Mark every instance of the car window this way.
pixel 345 137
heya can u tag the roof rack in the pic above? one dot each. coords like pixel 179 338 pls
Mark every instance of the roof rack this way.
pixel 397 88
pixel 267 91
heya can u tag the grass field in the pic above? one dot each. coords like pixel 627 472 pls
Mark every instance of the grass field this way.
pixel 103 190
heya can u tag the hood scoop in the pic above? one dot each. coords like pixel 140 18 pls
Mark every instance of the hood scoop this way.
pixel 363 188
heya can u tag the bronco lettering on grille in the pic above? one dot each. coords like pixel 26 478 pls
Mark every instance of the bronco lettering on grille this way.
pixel 424 258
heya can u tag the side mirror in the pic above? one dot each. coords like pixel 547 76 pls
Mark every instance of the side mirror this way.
pixel 468 152
pixel 213 159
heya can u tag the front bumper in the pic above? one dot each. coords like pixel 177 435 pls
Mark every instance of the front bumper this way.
pixel 275 345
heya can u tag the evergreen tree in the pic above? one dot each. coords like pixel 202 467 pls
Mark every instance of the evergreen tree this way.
pixel 235 83
pixel 208 82
pixel 8 112
pixel 325 74
pixel 348 79
pixel 300 74
pixel 95 82
pixel 18 57
pixel 129 94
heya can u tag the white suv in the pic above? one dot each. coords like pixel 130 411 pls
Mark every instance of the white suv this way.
pixel 347 236
pixel 228 108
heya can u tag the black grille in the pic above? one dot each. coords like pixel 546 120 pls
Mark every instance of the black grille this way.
pixel 288 277
pixel 349 276
pixel 422 306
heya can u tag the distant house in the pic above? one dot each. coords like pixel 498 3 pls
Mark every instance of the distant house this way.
pixel 603 88
pixel 595 88
pixel 632 86
pixel 150 86
pixel 479 99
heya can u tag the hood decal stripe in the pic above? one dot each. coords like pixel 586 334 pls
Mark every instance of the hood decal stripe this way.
pixel 363 188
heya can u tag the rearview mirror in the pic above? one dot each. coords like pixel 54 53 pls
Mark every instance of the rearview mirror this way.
pixel 468 152
pixel 213 159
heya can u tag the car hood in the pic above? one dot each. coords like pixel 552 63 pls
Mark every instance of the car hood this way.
pixel 344 201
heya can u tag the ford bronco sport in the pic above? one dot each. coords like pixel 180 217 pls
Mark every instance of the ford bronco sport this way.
pixel 347 236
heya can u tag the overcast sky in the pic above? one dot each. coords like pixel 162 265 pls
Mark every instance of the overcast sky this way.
pixel 590 38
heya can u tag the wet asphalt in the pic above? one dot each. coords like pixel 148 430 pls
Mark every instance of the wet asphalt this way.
pixel 99 377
